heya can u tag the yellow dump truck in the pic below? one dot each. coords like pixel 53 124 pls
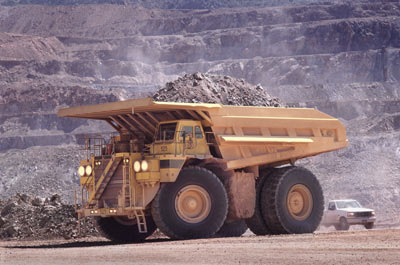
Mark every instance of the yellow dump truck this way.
pixel 195 170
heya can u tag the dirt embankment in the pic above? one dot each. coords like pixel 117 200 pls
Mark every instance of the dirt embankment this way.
pixel 24 216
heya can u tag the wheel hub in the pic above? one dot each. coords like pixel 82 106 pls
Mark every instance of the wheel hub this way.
pixel 299 202
pixel 193 204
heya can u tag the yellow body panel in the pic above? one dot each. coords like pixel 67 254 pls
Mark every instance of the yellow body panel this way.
pixel 148 176
pixel 245 136
pixel 261 139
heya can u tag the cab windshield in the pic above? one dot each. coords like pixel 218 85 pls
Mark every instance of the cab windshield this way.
pixel 166 132
pixel 348 204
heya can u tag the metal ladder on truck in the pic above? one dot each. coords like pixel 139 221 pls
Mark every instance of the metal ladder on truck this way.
pixel 127 198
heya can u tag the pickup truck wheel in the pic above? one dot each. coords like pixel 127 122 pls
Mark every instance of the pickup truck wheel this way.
pixel 232 229
pixel 256 223
pixel 122 229
pixel 369 225
pixel 195 206
pixel 343 224
pixel 292 201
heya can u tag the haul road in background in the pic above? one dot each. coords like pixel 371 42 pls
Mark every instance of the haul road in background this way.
pixel 194 170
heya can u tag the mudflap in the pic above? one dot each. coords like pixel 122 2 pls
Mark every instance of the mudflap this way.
pixel 241 194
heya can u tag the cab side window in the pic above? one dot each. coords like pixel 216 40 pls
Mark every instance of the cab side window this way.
pixel 166 131
pixel 198 132
pixel 187 130
pixel 331 206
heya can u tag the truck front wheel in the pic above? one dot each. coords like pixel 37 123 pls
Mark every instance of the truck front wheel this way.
pixel 122 229
pixel 292 201
pixel 195 206
pixel 343 224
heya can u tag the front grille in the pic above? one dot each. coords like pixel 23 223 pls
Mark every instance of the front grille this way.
pixel 363 214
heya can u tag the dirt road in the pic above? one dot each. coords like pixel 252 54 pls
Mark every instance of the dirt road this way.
pixel 354 247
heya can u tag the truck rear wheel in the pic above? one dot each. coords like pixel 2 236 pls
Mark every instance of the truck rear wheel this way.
pixel 232 229
pixel 123 230
pixel 256 223
pixel 195 206
pixel 292 201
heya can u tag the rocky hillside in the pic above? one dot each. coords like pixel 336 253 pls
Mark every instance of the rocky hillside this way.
pixel 167 4
pixel 340 57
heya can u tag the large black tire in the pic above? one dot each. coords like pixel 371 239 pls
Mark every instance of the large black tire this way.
pixel 292 201
pixel 343 224
pixel 256 223
pixel 369 225
pixel 205 189
pixel 123 230
pixel 232 229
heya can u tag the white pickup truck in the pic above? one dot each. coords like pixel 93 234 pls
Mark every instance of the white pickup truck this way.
pixel 343 213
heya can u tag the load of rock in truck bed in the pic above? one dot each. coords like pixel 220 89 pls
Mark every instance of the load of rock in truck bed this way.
pixel 205 88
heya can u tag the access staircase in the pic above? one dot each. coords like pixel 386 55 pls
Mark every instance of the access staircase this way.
pixel 103 181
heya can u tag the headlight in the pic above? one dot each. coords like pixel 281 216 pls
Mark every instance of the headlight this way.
pixel 145 165
pixel 81 171
pixel 88 170
pixel 136 166
pixel 372 213
pixel 351 214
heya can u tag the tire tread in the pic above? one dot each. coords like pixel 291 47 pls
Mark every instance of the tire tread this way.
pixel 256 223
pixel 272 211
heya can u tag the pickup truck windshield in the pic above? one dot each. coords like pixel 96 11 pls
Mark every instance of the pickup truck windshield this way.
pixel 348 204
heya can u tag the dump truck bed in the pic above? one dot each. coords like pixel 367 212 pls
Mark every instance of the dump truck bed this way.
pixel 244 136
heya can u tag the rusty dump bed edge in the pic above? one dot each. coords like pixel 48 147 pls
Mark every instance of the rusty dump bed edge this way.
pixel 103 111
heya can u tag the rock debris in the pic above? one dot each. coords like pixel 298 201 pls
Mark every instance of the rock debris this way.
pixel 206 88
pixel 23 216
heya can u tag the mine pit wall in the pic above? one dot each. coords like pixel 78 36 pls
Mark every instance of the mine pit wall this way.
pixel 349 110
pixel 335 77
pixel 349 89
pixel 23 142
pixel 28 115
pixel 336 63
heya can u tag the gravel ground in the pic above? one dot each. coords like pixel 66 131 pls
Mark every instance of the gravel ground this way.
pixel 353 247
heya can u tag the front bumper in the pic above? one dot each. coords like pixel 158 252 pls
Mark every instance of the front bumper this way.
pixel 106 212
pixel 360 220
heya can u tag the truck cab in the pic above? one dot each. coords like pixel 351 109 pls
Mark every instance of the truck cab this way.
pixel 180 137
